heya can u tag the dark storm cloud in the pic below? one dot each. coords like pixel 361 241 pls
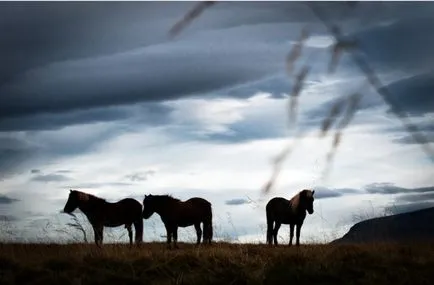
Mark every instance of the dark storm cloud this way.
pixel 70 64
pixel 118 53
pixel 105 31
pixel 405 44
pixel 413 95
pixel 148 113
pixel 147 75
pixel 7 200
pixel 390 188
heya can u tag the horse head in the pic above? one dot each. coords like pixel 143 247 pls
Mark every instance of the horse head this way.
pixel 306 198
pixel 72 202
pixel 148 206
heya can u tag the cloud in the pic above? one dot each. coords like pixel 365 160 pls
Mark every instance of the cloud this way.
pixel 408 139
pixel 424 124
pixel 64 171
pixel 15 151
pixel 323 192
pixel 151 114
pixel 128 65
pixel 7 200
pixel 30 150
pixel 140 176
pixel 96 185
pixel 236 202
pixel 413 94
pixel 418 197
pixel 50 178
pixel 408 207
pixel 403 44
pixel 390 188
pixel 8 218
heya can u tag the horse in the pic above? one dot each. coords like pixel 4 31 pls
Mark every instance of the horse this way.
pixel 101 213
pixel 293 212
pixel 175 213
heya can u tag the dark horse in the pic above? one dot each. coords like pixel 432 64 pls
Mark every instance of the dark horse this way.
pixel 293 212
pixel 176 213
pixel 101 213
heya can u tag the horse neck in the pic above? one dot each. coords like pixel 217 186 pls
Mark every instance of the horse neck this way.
pixel 300 208
pixel 165 207
pixel 90 205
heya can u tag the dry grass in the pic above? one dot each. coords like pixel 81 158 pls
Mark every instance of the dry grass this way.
pixel 219 264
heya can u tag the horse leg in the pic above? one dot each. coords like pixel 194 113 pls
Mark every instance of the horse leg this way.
pixel 297 234
pixel 175 236
pixel 207 231
pixel 130 234
pixel 168 237
pixel 270 232
pixel 275 231
pixel 291 234
pixel 98 234
pixel 198 232
pixel 138 226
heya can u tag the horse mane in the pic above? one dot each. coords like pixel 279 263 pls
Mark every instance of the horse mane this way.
pixel 166 197
pixel 92 198
pixel 295 200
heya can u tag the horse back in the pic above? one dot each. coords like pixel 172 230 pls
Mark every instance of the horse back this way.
pixel 279 209
pixel 123 211
pixel 193 210
pixel 198 201
pixel 277 203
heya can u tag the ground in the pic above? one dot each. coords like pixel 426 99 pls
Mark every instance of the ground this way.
pixel 221 263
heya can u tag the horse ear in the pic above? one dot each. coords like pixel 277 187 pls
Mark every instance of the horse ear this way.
pixel 313 192
pixel 70 190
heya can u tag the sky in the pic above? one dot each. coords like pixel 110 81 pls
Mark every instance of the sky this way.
pixel 98 97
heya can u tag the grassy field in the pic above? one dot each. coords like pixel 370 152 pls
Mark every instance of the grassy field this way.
pixel 219 264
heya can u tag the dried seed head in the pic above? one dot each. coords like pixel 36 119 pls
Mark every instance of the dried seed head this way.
pixel 192 14
pixel 295 52
pixel 333 113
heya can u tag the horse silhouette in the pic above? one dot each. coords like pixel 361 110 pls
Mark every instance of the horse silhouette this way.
pixel 293 212
pixel 176 213
pixel 101 213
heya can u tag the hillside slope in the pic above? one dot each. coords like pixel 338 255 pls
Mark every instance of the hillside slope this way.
pixel 406 227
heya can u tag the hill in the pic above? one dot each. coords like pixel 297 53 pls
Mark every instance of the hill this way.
pixel 406 227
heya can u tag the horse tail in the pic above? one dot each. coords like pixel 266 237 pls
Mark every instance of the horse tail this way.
pixel 270 222
pixel 138 226
pixel 207 225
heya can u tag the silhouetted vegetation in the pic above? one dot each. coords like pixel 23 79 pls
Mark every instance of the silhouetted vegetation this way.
pixel 220 264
